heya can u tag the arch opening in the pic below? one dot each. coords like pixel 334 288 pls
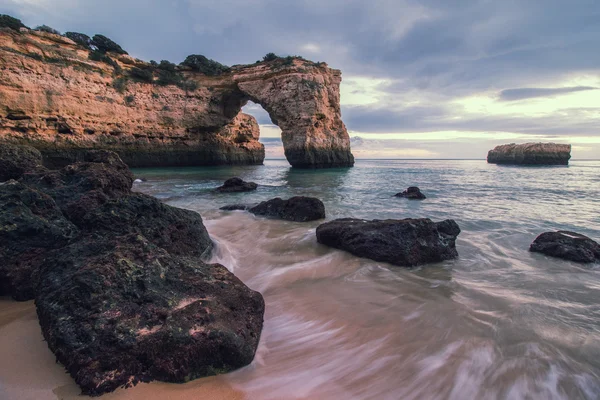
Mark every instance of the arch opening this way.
pixel 270 132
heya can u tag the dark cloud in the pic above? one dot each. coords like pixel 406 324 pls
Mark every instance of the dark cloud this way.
pixel 528 93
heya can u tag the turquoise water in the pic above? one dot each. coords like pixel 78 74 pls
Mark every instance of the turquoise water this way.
pixel 498 322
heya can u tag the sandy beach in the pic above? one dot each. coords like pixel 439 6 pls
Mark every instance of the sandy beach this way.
pixel 28 370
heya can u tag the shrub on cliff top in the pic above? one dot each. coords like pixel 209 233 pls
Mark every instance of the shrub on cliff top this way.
pixel 141 75
pixel 166 65
pixel 270 57
pixel 47 29
pixel 201 64
pixel 167 74
pixel 80 38
pixel 104 44
pixel 6 21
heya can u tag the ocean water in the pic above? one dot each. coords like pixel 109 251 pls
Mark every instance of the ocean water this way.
pixel 499 322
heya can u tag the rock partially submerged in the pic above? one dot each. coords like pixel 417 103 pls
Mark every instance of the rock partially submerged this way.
pixel 567 245
pixel 236 185
pixel 298 209
pixel 412 193
pixel 121 290
pixel 531 153
pixel 406 242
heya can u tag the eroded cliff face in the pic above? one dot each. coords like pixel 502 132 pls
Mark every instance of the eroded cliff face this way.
pixel 304 101
pixel 53 97
pixel 531 153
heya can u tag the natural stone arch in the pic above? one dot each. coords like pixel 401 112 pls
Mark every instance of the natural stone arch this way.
pixel 305 104
pixel 64 110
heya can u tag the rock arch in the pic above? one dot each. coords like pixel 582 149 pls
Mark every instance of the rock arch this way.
pixel 77 104
pixel 304 101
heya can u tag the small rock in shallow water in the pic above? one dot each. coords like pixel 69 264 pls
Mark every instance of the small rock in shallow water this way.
pixel 298 209
pixel 567 245
pixel 412 193
pixel 406 242
pixel 236 185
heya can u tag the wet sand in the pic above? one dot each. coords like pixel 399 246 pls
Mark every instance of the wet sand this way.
pixel 28 370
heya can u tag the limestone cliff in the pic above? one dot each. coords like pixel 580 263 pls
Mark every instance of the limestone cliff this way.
pixel 57 99
pixel 531 153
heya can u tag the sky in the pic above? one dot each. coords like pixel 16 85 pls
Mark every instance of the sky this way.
pixel 421 78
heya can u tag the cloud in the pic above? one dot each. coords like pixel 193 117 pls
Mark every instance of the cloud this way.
pixel 529 93
pixel 436 118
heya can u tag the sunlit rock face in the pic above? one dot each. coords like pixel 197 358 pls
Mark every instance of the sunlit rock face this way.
pixel 53 97
pixel 304 101
pixel 531 153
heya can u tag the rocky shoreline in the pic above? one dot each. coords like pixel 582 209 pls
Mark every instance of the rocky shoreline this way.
pixel 120 286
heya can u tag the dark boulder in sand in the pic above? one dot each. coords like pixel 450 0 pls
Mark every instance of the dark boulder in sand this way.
pixel 412 193
pixel 567 245
pixel 406 242
pixel 118 311
pixel 237 185
pixel 121 288
pixel 17 160
pixel 31 225
pixel 298 209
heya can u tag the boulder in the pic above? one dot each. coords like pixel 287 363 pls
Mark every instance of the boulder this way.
pixel 17 160
pixel 236 185
pixel 406 242
pixel 178 231
pixel 31 226
pixel 531 153
pixel 81 187
pixel 567 245
pixel 119 310
pixel 298 209
pixel 412 193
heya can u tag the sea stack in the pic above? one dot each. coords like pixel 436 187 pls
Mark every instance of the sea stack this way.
pixel 530 154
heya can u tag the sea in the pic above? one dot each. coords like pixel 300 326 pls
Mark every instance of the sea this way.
pixel 498 322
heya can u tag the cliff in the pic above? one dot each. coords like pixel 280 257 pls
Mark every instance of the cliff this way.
pixel 531 153
pixel 63 99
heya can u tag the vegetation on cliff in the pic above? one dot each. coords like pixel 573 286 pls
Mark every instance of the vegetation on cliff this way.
pixel 6 21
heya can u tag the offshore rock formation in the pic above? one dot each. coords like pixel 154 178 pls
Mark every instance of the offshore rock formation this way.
pixel 531 153
pixel 567 245
pixel 53 97
pixel 120 287
pixel 406 242
pixel 412 193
